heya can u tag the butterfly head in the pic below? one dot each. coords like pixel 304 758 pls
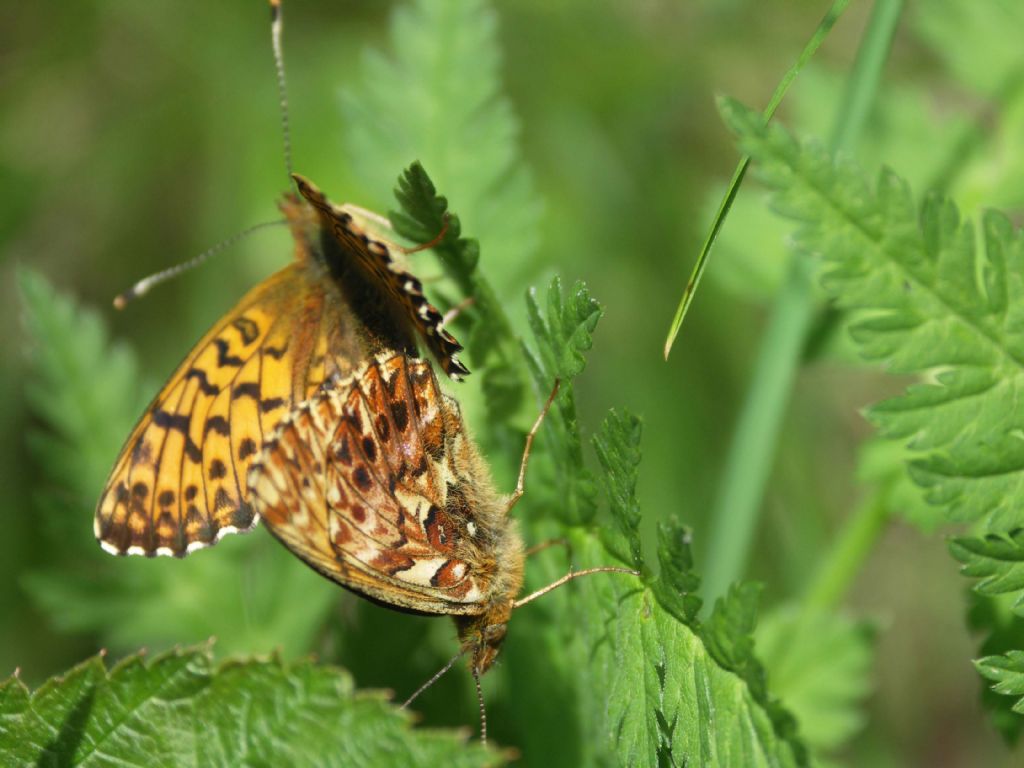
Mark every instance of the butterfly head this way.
pixel 483 635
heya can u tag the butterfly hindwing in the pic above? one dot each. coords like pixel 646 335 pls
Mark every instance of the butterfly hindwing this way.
pixel 342 484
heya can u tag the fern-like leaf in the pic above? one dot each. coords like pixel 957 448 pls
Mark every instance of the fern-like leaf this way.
pixel 677 583
pixel 1007 672
pixel 563 334
pixel 928 296
pixel 618 450
pixel 819 666
pixel 423 215
pixel 437 98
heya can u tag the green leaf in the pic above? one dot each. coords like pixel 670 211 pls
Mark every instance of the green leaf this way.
pixel 997 560
pixel 563 334
pixel 677 583
pixel 85 392
pixel 424 214
pixel 618 450
pixel 181 709
pixel 819 665
pixel 927 296
pixel 1003 631
pixel 729 638
pixel 83 388
pixel 1007 672
pixel 437 99
pixel 652 692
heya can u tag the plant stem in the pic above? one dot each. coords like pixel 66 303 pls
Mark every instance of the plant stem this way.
pixel 752 449
pixel 843 562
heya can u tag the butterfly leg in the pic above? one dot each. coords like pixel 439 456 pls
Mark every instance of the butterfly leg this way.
pixel 517 494
pixel 385 222
pixel 559 542
pixel 454 312
pixel 365 213
pixel 569 577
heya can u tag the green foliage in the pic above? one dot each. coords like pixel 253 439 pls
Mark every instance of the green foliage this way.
pixel 651 691
pixel 927 296
pixel 423 215
pixel 1003 632
pixel 84 389
pixel 819 666
pixel 997 560
pixel 437 98
pixel 677 583
pixel 1007 672
pixel 618 450
pixel 182 709
pixel 563 334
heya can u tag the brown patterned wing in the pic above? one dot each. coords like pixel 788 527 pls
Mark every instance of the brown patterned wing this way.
pixel 353 483
pixel 179 483
pixel 376 259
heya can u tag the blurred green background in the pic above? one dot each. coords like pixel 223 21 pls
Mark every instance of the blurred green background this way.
pixel 135 135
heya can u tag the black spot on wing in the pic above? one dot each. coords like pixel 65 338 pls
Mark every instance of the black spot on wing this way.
pixel 223 358
pixel 179 423
pixel 249 389
pixel 247 328
pixel 198 374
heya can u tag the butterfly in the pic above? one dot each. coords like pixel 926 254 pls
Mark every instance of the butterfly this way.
pixel 376 483
pixel 178 484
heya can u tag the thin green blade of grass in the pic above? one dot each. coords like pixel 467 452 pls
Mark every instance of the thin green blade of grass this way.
pixel 824 27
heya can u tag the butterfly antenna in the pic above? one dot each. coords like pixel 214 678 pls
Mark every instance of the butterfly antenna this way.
pixel 142 287
pixel 483 709
pixel 569 577
pixel 437 676
pixel 276 25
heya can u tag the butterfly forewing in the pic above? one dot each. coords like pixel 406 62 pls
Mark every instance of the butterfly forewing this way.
pixel 348 483
pixel 179 481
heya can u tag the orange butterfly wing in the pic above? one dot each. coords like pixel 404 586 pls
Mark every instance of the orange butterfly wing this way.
pixel 357 483
pixel 179 482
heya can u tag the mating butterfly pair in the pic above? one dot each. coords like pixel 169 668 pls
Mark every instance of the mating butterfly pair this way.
pixel 307 405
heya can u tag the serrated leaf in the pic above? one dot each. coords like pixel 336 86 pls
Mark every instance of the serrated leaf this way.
pixel 652 693
pixel 563 334
pixel 1003 631
pixel 677 583
pixel 819 666
pixel 728 636
pixel 83 388
pixel 997 560
pixel 424 214
pixel 85 391
pixel 618 450
pixel 437 98
pixel 180 709
pixel 1007 672
pixel 926 297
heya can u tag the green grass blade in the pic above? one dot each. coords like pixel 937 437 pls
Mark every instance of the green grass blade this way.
pixel 824 27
